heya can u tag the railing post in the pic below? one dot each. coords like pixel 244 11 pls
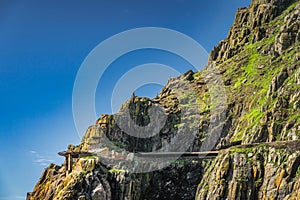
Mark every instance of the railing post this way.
pixel 69 163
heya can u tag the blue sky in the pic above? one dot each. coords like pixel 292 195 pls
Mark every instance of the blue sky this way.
pixel 42 45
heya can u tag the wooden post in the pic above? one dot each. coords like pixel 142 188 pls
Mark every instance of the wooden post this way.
pixel 69 163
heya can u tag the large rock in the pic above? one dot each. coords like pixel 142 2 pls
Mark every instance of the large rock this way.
pixel 250 22
pixel 262 172
pixel 289 32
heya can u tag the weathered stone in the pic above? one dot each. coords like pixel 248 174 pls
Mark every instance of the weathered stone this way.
pixel 277 82
pixel 289 32
pixel 249 21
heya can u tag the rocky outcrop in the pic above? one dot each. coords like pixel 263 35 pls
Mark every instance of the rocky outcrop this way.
pixel 174 111
pixel 259 172
pixel 178 181
pixel 289 32
pixel 250 114
pixel 265 109
pixel 250 26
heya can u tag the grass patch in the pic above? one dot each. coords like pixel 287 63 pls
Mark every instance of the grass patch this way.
pixel 295 116
pixel 254 115
pixel 249 70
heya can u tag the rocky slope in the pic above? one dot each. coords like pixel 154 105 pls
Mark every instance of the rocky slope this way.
pixel 255 122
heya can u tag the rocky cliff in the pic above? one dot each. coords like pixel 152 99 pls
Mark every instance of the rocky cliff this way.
pixel 257 124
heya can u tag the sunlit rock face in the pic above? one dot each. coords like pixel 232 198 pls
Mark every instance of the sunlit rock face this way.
pixel 259 154
pixel 267 171
pixel 250 25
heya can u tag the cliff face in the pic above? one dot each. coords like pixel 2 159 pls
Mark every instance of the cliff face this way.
pixel 260 125
pixel 250 25
pixel 265 171
pixel 261 71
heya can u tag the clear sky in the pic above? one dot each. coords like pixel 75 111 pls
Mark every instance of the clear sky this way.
pixel 42 45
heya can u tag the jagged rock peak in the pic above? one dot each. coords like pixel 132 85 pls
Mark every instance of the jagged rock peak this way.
pixel 248 27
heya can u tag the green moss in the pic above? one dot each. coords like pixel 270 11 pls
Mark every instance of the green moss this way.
pixel 119 144
pixel 250 71
pixel 241 150
pixel 116 171
pixel 237 137
pixel 206 188
pixel 275 164
pixel 179 125
pixel 185 105
pixel 83 173
pixel 291 7
pixel 291 80
pixel 239 82
pixel 197 75
pixel 263 98
pixel 270 40
pixel 258 182
pixel 90 157
pixel 205 102
pixel 298 172
pixel 241 179
pixel 254 115
pixel 294 116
